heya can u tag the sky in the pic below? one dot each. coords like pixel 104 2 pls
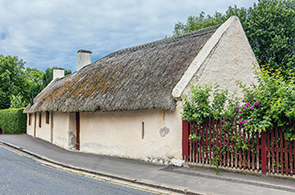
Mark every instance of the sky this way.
pixel 48 33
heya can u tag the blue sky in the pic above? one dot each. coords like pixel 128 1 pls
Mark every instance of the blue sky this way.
pixel 47 33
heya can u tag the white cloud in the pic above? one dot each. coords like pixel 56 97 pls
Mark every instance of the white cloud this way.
pixel 49 33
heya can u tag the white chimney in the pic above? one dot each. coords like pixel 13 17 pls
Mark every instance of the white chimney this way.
pixel 58 73
pixel 84 58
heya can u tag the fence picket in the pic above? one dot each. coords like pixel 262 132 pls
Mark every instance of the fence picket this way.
pixel 286 157
pixel 268 152
pixel 272 152
pixel 257 151
pixel 248 152
pixel 210 138
pixel 281 152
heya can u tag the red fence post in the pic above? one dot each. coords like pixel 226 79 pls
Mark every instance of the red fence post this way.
pixel 263 153
pixel 185 140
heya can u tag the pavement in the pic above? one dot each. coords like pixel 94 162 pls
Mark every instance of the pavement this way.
pixel 184 180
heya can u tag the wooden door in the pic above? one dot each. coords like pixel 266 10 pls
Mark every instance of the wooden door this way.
pixel 77 130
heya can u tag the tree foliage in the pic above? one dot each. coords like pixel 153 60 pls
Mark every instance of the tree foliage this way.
pixel 271 101
pixel 13 121
pixel 12 80
pixel 34 79
pixel 269 26
pixel 270 29
pixel 18 86
pixel 194 23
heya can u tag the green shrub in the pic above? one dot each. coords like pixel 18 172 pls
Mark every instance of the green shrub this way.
pixel 268 103
pixel 199 107
pixel 13 121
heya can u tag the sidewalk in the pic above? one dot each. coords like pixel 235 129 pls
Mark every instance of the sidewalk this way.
pixel 194 181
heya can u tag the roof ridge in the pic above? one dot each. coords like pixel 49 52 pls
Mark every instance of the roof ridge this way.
pixel 165 41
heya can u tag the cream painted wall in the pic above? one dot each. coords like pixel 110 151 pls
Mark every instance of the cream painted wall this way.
pixel 230 61
pixel 30 128
pixel 120 133
pixel 60 129
pixel 43 132
pixel 72 131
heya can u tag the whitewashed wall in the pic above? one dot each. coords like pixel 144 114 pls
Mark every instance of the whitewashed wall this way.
pixel 120 133
pixel 30 128
pixel 61 129
pixel 231 61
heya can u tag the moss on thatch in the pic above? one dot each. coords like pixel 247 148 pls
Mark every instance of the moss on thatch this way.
pixel 140 77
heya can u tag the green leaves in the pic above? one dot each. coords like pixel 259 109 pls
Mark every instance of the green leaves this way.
pixel 12 80
pixel 199 107
pixel 19 85
pixel 276 97
pixel 270 102
pixel 269 27
pixel 13 121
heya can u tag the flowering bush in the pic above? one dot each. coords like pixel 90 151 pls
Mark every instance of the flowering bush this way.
pixel 271 101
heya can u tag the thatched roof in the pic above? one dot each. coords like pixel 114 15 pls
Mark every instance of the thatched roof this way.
pixel 140 77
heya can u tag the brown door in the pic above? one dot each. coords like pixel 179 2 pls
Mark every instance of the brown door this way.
pixel 77 130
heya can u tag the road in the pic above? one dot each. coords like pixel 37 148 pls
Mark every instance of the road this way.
pixel 23 175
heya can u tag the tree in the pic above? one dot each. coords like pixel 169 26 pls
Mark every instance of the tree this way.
pixel 34 79
pixel 270 29
pixel 18 86
pixel 198 22
pixel 269 26
pixel 17 102
pixel 12 80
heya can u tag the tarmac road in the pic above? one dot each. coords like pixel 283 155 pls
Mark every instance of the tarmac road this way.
pixel 192 180
pixel 23 175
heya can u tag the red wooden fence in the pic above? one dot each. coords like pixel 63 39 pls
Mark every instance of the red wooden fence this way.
pixel 268 152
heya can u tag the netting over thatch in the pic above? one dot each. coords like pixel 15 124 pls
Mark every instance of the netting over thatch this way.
pixel 140 77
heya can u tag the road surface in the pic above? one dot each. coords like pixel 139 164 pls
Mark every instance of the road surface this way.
pixel 23 175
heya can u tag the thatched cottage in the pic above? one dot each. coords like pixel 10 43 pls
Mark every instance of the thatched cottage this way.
pixel 129 102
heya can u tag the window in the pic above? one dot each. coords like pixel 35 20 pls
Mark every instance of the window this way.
pixel 47 117
pixel 40 114
pixel 30 119
pixel 142 130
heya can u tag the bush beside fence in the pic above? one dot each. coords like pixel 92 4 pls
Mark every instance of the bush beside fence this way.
pixel 13 121
pixel 224 143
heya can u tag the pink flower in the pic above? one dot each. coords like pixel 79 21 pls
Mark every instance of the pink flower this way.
pixel 248 104
pixel 237 108
pixel 252 107
pixel 243 100
pixel 240 112
pixel 245 121
pixel 240 116
pixel 240 122
pixel 256 103
pixel 245 108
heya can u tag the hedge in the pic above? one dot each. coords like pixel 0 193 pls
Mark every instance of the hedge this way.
pixel 13 121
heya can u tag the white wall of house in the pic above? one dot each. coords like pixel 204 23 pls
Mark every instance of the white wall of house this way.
pixel 231 60
pixel 43 130
pixel 30 123
pixel 120 133
pixel 60 129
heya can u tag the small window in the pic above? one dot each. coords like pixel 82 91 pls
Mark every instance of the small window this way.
pixel 47 117
pixel 40 114
pixel 30 119
pixel 142 130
